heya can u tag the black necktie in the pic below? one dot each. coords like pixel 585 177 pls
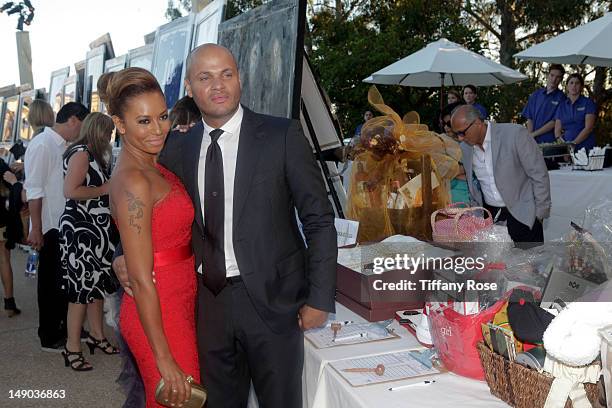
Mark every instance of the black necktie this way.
pixel 214 217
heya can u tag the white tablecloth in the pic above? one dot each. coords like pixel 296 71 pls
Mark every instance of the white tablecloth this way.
pixel 571 192
pixel 323 387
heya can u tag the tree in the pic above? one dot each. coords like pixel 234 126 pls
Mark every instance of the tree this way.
pixel 352 39
pixel 513 25
pixel 347 40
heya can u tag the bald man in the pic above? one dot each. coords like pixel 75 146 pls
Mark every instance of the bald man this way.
pixel 259 286
pixel 506 173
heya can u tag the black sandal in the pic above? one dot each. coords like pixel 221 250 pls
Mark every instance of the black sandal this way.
pixel 103 345
pixel 11 307
pixel 78 363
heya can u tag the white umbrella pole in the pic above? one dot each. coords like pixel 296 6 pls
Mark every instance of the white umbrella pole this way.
pixel 441 91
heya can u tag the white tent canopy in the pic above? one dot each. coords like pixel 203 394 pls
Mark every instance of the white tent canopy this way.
pixel 587 44
pixel 444 60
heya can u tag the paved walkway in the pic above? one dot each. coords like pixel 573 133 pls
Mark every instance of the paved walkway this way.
pixel 24 367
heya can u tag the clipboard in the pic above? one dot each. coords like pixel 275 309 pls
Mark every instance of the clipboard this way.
pixel 320 338
pixel 400 365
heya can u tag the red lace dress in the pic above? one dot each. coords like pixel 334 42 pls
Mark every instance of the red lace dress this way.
pixel 176 287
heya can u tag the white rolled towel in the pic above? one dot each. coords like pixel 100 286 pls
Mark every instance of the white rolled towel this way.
pixel 572 337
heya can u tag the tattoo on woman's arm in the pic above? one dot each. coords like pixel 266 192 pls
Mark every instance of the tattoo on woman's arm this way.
pixel 135 210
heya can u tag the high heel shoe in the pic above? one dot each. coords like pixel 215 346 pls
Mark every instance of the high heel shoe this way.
pixel 102 344
pixel 78 363
pixel 11 307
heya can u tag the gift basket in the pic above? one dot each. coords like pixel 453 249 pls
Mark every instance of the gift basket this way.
pixel 451 225
pixel 456 335
pixel 401 173
pixel 520 386
pixel 544 358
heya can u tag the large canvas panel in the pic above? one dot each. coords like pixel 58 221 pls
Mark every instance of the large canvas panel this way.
pixel 11 109
pixel 115 64
pixel 94 68
pixel 70 92
pixel 25 100
pixel 55 87
pixel 172 45
pixel 265 43
pixel 141 57
pixel 206 27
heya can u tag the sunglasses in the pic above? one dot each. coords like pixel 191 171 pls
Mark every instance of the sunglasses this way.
pixel 464 131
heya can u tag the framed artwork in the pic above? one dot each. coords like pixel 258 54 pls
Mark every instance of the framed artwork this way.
pixel 94 67
pixel 25 130
pixel 70 91
pixel 79 68
pixel 55 88
pixel 11 110
pixel 268 43
pixel 206 27
pixel 172 45
pixel 115 64
pixel 141 57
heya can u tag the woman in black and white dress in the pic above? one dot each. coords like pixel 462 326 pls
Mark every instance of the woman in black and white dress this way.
pixel 88 237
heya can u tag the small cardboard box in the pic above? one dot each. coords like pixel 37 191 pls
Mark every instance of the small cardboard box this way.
pixel 356 291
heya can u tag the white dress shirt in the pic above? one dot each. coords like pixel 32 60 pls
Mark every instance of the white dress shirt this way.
pixel 43 176
pixel 482 160
pixel 228 142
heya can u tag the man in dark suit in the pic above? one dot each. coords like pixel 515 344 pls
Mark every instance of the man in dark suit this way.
pixel 259 285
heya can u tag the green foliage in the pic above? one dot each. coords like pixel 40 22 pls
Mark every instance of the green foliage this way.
pixel 347 50
pixel 501 21
pixel 350 39
pixel 235 7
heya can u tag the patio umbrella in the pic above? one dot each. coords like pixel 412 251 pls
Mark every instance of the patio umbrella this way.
pixel 586 44
pixel 445 63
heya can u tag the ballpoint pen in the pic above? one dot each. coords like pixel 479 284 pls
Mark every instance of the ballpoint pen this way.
pixel 401 387
pixel 343 323
pixel 350 337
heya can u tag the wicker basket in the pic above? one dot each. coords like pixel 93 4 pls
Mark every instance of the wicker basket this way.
pixel 519 386
pixel 535 386
pixel 496 369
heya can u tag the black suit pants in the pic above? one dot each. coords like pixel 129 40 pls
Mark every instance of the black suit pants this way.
pixel 236 347
pixel 522 235
pixel 52 300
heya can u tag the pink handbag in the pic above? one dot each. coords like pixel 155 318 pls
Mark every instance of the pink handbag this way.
pixel 459 224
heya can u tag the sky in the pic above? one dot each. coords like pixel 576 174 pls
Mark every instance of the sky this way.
pixel 62 30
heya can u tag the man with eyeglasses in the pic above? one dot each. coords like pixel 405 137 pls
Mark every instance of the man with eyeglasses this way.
pixel 506 173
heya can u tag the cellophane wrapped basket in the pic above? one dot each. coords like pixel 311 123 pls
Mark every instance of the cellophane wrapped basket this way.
pixel 401 173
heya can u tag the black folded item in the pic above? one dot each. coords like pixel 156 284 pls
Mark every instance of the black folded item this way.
pixel 18 150
pixel 527 320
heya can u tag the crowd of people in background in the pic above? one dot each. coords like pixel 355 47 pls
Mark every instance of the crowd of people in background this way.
pixel 77 211
pixel 63 187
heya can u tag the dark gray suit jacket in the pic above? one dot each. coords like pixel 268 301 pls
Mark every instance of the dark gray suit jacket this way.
pixel 519 170
pixel 275 174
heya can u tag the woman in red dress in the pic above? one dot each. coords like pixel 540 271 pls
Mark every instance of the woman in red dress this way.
pixel 154 215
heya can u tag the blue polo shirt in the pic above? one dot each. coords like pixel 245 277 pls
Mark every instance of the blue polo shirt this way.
pixel 482 110
pixel 541 108
pixel 572 117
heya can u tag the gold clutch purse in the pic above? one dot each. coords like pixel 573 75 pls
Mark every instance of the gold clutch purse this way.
pixel 197 399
